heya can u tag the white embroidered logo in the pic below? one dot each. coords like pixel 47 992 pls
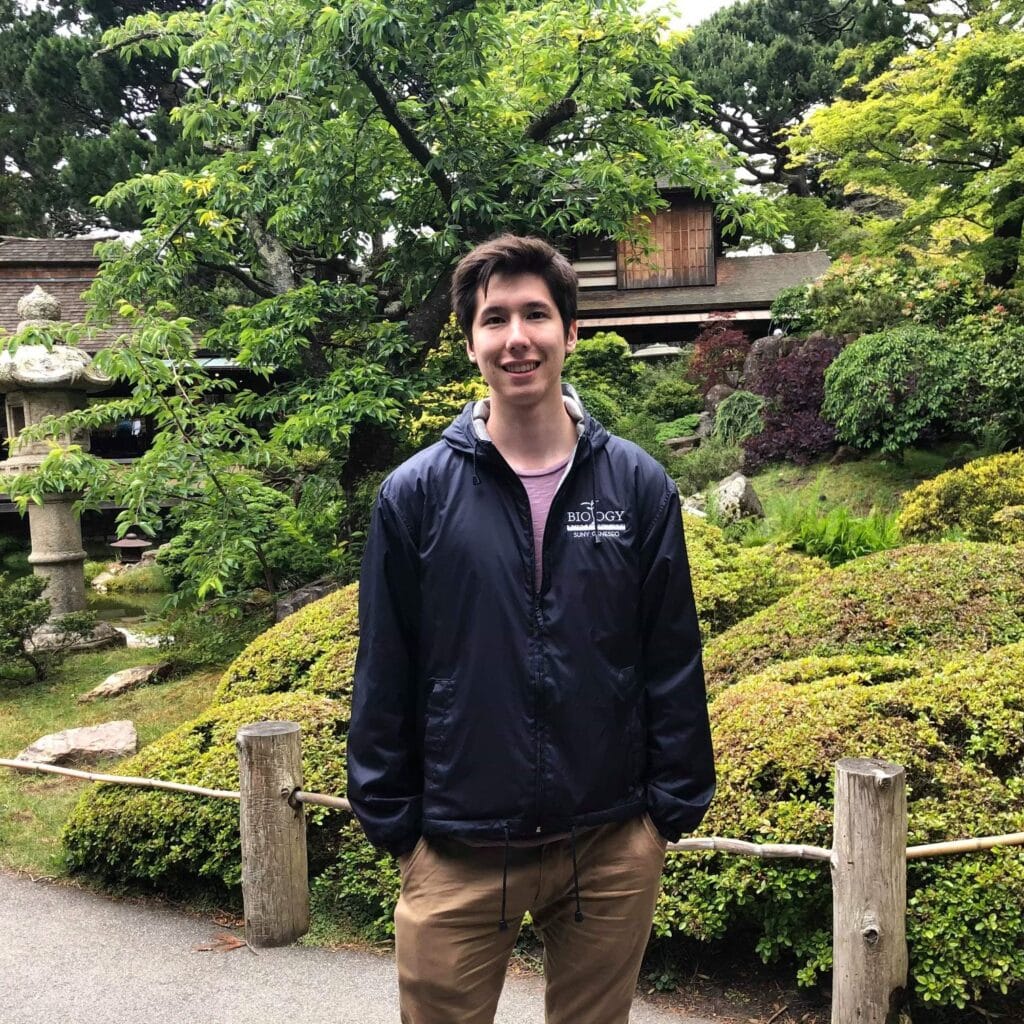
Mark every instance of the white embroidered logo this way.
pixel 586 518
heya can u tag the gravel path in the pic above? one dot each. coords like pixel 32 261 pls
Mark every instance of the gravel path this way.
pixel 75 957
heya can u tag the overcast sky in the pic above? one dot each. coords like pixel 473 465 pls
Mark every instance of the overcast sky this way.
pixel 689 12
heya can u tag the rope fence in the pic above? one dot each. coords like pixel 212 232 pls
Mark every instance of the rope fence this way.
pixel 867 859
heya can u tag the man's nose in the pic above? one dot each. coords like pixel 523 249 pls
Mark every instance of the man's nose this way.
pixel 516 332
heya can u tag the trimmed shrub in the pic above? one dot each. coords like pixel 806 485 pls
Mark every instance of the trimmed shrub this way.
pixel 891 389
pixel 672 398
pixel 709 462
pixel 682 427
pixel 959 733
pixel 140 579
pixel 313 650
pixel 928 602
pixel 604 359
pixel 739 416
pixel 731 582
pixel 174 841
pixel 967 500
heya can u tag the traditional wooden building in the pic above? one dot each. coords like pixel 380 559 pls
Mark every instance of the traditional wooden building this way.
pixel 684 281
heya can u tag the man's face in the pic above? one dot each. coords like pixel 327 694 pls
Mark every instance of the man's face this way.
pixel 519 341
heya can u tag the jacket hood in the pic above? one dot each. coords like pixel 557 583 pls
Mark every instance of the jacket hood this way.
pixel 469 430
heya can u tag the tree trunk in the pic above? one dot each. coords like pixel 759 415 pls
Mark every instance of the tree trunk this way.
pixel 428 319
pixel 1007 236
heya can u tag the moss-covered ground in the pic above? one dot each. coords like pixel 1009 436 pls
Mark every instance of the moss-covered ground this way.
pixel 33 808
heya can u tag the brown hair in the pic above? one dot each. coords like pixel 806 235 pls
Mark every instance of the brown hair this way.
pixel 512 254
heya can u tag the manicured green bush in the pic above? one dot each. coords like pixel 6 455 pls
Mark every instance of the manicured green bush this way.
pixel 889 390
pixel 682 427
pixel 140 579
pixel 671 398
pixel 731 582
pixel 739 416
pixel 927 602
pixel 711 461
pixel 966 500
pixel 174 841
pixel 313 650
pixel 604 359
pixel 959 732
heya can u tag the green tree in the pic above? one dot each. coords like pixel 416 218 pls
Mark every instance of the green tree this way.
pixel 355 151
pixel 939 132
pixel 73 122
pixel 765 63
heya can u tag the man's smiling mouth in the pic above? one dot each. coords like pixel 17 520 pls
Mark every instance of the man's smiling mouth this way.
pixel 520 367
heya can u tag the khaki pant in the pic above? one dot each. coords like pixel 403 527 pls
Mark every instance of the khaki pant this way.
pixel 452 955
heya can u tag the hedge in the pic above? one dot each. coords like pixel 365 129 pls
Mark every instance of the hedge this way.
pixel 731 582
pixel 314 649
pixel 173 841
pixel 926 602
pixel 968 500
pixel 959 732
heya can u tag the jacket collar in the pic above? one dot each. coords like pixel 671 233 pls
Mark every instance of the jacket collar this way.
pixel 469 430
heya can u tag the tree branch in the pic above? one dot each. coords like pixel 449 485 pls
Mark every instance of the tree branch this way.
pixel 558 113
pixel 412 142
pixel 251 282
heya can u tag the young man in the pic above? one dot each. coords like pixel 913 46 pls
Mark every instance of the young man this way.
pixel 529 724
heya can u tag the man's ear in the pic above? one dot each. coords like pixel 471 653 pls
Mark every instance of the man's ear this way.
pixel 469 351
pixel 570 338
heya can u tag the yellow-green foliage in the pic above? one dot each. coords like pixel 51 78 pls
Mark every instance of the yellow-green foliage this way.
pixel 140 579
pixel 731 582
pixel 927 602
pixel 439 406
pixel 172 840
pixel 312 650
pixel 958 731
pixel 968 500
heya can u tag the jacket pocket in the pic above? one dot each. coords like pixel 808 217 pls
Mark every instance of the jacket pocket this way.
pixel 437 728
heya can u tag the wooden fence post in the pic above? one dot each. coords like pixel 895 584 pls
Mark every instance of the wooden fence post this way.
pixel 869 893
pixel 275 877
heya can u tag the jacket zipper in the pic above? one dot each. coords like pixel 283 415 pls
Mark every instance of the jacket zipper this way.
pixel 535 592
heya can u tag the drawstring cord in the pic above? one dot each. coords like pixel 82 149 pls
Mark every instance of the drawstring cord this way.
pixel 476 478
pixel 575 873
pixel 502 923
pixel 593 490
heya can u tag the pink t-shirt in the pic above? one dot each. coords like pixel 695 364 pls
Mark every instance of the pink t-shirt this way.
pixel 541 485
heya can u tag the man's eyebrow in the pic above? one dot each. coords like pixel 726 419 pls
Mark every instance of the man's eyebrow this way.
pixel 501 307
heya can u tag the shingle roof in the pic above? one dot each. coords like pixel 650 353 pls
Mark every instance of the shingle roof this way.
pixel 744 282
pixel 35 251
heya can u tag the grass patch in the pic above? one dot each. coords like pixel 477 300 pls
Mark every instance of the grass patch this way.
pixel 873 483
pixel 33 808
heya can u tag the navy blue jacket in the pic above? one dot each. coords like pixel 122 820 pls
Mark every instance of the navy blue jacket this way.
pixel 486 709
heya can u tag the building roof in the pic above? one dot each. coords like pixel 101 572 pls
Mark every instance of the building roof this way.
pixel 48 251
pixel 743 282
pixel 64 267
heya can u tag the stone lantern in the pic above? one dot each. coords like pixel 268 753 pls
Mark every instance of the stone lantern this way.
pixel 40 382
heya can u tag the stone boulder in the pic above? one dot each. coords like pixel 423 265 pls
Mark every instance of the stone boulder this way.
pixel 765 351
pixel 682 445
pixel 694 505
pixel 297 599
pixel 85 745
pixel 735 498
pixel 127 679
pixel 716 396
pixel 705 425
